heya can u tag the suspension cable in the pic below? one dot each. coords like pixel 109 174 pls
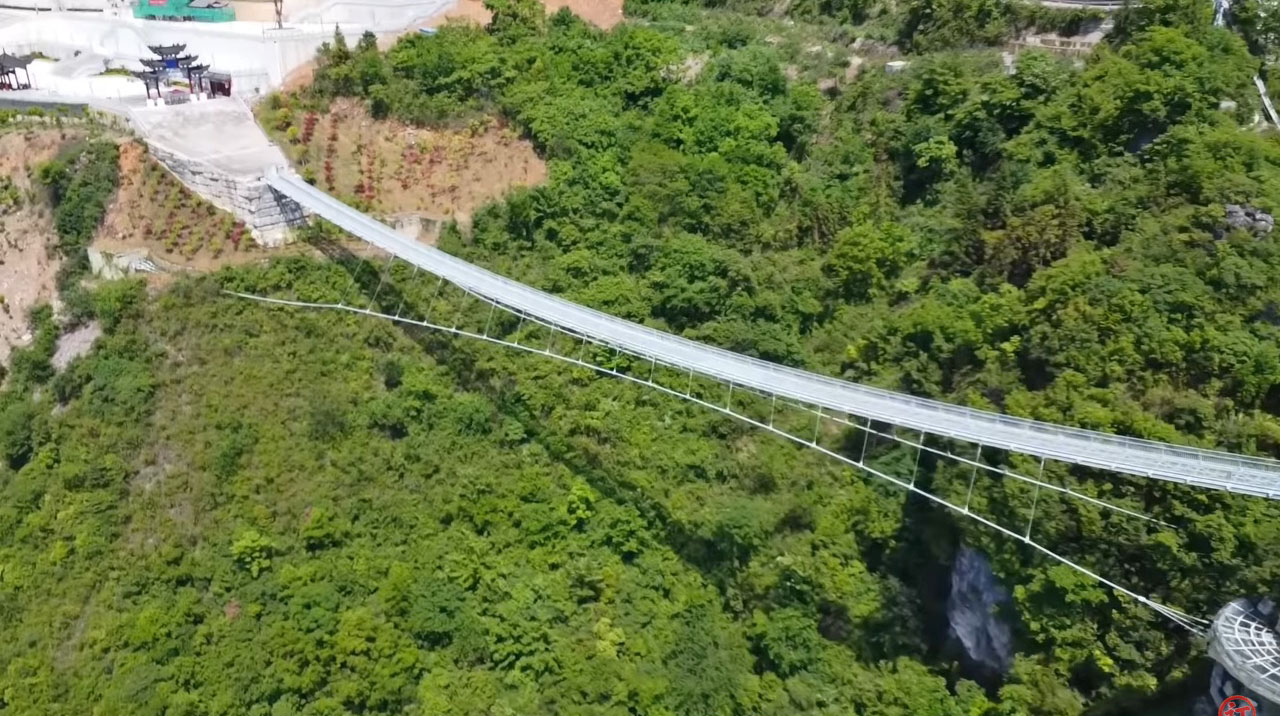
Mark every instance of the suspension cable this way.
pixel 1191 623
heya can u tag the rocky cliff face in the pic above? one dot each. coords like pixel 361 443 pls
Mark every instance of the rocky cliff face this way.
pixel 974 613
pixel 1222 686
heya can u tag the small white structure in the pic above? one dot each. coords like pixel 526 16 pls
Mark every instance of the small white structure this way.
pixel 111 266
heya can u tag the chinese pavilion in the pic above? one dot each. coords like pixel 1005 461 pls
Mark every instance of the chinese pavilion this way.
pixel 9 66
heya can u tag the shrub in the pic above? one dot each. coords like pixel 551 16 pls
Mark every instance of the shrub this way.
pixel 252 552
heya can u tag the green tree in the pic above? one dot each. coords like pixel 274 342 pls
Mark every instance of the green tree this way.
pixel 515 20
pixel 252 552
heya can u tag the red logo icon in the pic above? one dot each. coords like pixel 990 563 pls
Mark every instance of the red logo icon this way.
pixel 1237 706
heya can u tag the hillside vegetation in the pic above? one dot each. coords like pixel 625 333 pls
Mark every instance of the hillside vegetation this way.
pixel 153 209
pixel 390 168
pixel 229 508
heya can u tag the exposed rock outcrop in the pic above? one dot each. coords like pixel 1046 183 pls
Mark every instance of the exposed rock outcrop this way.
pixel 974 613
pixel 1250 219
pixel 1222 686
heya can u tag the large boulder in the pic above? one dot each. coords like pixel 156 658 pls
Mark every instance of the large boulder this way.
pixel 1249 219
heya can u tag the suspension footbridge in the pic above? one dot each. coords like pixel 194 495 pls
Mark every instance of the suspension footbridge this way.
pixel 1187 465
pixel 1239 638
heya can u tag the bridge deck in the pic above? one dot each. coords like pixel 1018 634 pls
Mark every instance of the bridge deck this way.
pixel 1186 465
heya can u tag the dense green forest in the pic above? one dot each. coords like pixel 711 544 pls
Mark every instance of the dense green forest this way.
pixel 229 508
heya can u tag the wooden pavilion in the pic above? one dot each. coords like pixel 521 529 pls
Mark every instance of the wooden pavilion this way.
pixel 169 54
pixel 9 66
pixel 151 79
pixel 216 84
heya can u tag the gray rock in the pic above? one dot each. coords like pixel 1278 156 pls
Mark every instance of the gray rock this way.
pixel 1221 687
pixel 1249 219
pixel 973 612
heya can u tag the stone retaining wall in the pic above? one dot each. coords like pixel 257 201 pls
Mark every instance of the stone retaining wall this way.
pixel 267 214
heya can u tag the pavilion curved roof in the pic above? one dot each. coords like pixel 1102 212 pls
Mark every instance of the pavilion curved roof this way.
pixel 14 62
pixel 167 50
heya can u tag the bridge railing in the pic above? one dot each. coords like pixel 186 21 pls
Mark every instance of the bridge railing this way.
pixel 1183 464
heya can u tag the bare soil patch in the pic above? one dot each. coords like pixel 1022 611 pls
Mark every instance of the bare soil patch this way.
pixel 394 169
pixel 299 77
pixel 254 10
pixel 601 13
pixel 154 211
pixel 28 261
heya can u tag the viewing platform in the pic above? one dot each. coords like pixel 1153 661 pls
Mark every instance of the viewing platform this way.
pixel 1244 641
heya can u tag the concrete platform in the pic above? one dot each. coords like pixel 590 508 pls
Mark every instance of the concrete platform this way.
pixel 219 132
pixel 255 54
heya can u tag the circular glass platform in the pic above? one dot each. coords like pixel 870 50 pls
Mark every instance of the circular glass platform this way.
pixel 1243 639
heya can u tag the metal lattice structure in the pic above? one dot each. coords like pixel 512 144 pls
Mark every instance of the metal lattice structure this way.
pixel 1247 647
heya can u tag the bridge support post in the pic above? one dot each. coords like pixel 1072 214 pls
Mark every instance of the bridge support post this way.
pixel 402 295
pixel 489 319
pixel 462 305
pixel 427 316
pixel 915 469
pixel 381 280
pixel 516 336
pixel 1035 499
pixel 354 273
pixel 977 460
